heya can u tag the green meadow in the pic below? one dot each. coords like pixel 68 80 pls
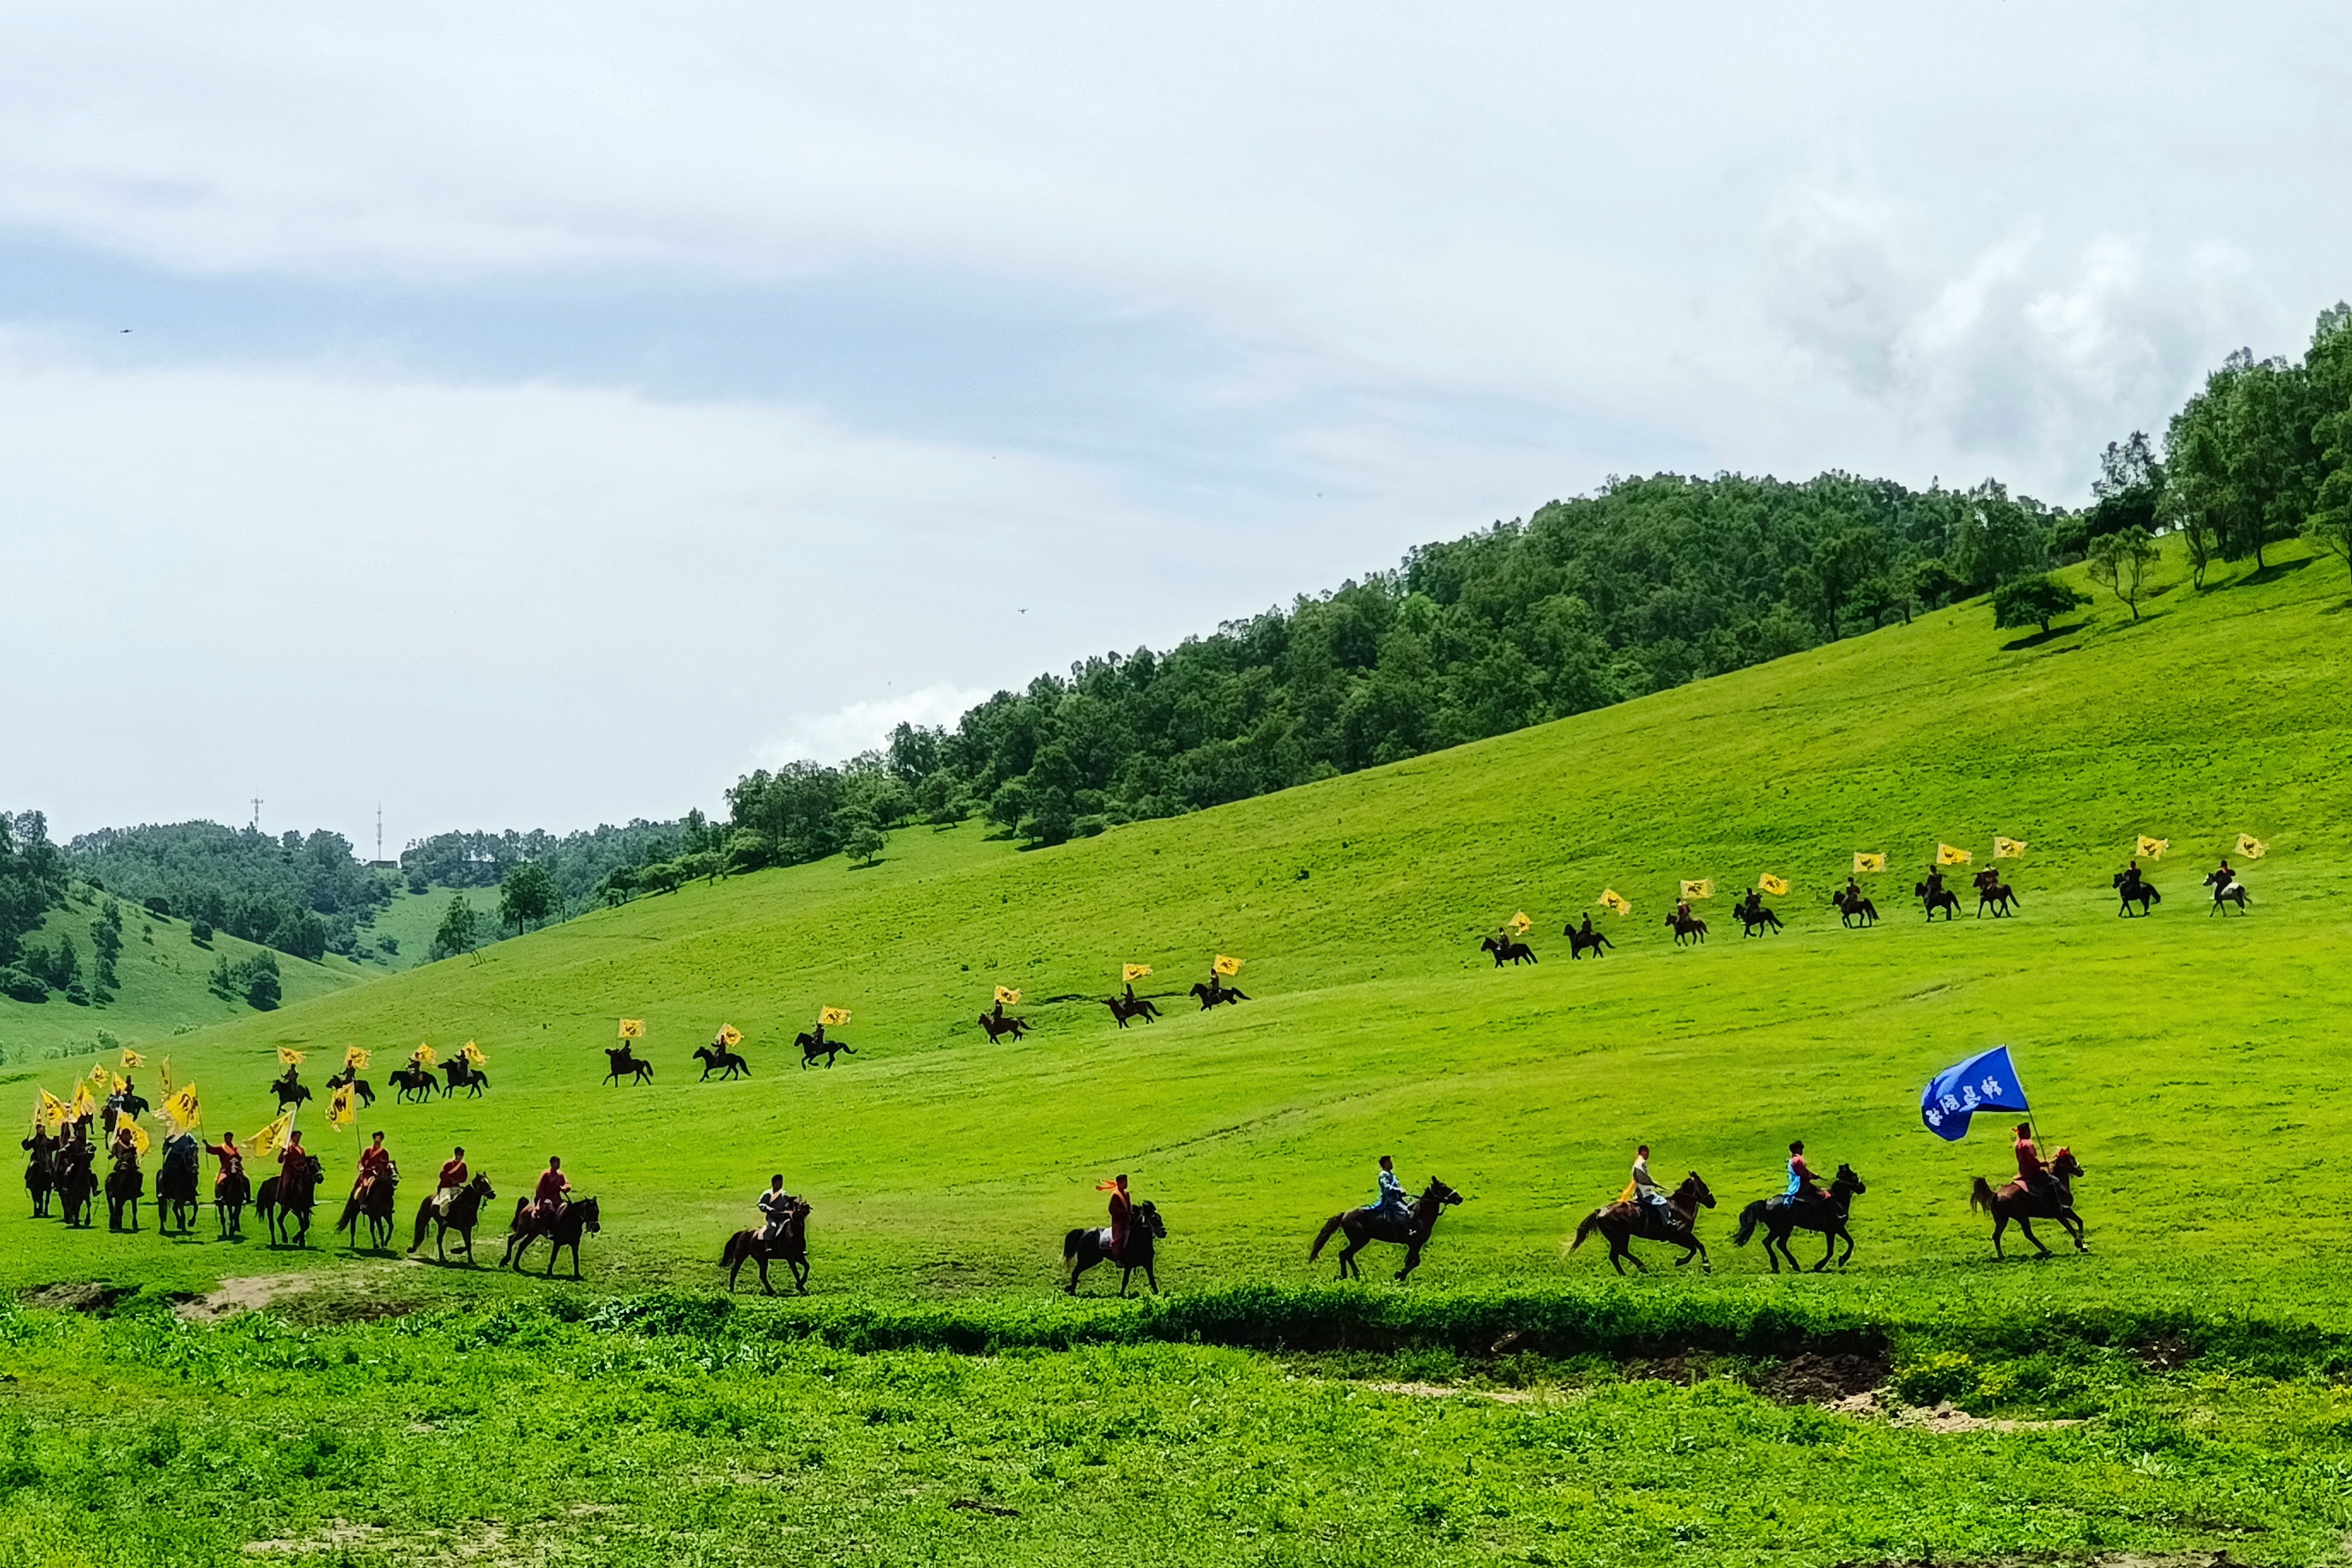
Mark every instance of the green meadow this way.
pixel 2193 1061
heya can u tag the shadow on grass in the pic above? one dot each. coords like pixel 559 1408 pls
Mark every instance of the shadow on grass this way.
pixel 2273 573
pixel 2037 639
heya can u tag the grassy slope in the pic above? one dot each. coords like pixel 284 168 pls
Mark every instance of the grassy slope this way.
pixel 2179 1054
pixel 411 918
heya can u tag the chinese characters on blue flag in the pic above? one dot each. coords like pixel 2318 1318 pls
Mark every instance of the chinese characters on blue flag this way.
pixel 1986 1083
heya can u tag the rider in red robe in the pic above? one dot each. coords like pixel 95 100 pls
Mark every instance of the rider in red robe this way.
pixel 553 1192
pixel 2031 1174
pixel 375 1162
pixel 1122 1217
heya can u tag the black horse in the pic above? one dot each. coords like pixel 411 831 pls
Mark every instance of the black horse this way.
pixel 1852 907
pixel 175 1186
pixel 286 1200
pixel 1584 939
pixel 40 1169
pixel 1213 991
pixel 123 1104
pixel 998 1026
pixel 414 1081
pixel 578 1216
pixel 362 1090
pixel 377 1208
pixel 1686 928
pixel 716 1058
pixel 289 1089
pixel 1806 1213
pixel 1363 1226
pixel 76 1180
pixel 2134 888
pixel 814 1046
pixel 626 1064
pixel 2225 893
pixel 1081 1250
pixel 1131 1006
pixel 1936 899
pixel 1507 951
pixel 1993 893
pixel 791 1244
pixel 463 1213
pixel 1675 1222
pixel 124 1185
pixel 463 1074
pixel 231 1194
pixel 1755 920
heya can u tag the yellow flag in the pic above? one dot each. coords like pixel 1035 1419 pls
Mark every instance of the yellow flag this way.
pixel 473 1053
pixel 1865 863
pixel 355 1059
pixel 1008 995
pixel 633 1028
pixel 2007 848
pixel 54 1113
pixel 114 1084
pixel 730 1035
pixel 287 1058
pixel 1521 924
pixel 131 1061
pixel 831 1017
pixel 340 1112
pixel 139 1140
pixel 2153 849
pixel 1131 972
pixel 264 1143
pixel 98 1074
pixel 424 1055
pixel 85 1104
pixel 1228 967
pixel 183 1110
pixel 1703 887
pixel 1615 902
pixel 2251 848
pixel 1775 886
pixel 1947 856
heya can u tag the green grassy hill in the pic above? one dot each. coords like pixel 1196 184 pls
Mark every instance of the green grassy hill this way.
pixel 2187 1058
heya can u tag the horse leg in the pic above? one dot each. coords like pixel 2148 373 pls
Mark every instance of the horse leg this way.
pixel 1831 1251
pixel 2000 1224
pixel 1347 1256
pixel 800 1273
pixel 2026 1225
pixel 1617 1250
pixel 1848 1236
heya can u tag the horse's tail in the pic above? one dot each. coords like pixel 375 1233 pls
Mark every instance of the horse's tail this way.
pixel 1591 1223
pixel 1070 1244
pixel 350 1213
pixel 726 1253
pixel 1749 1218
pixel 1981 1198
pixel 424 1218
pixel 1330 1228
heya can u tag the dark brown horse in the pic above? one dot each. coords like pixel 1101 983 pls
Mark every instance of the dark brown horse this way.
pixel 578 1215
pixel 288 1089
pixel 361 1089
pixel 1936 899
pixel 1686 928
pixel 76 1180
pixel 465 1212
pixel 124 1185
pixel 1994 892
pixel 791 1245
pixel 2023 1205
pixel 1782 1220
pixel 1584 939
pixel 1507 951
pixel 463 1074
pixel 1131 1006
pixel 1081 1250
pixel 2134 888
pixel 814 1046
pixel 1853 907
pixel 626 1064
pixel 40 1169
pixel 716 1058
pixel 998 1027
pixel 288 1198
pixel 1364 1227
pixel 414 1081
pixel 1754 918
pixel 175 1186
pixel 1675 1222
pixel 376 1209
pixel 1213 991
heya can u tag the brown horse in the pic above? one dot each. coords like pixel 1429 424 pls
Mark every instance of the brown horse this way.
pixel 791 1245
pixel 998 1027
pixel 40 1169
pixel 814 1046
pixel 579 1215
pixel 1585 940
pixel 625 1064
pixel 1675 1222
pixel 1853 907
pixel 2017 1201
pixel 362 1090
pixel 1125 1008
pixel 1936 899
pixel 1364 1227
pixel 1507 951
pixel 1992 890
pixel 1213 991
pixel 124 1185
pixel 465 1212
pixel 286 1200
pixel 716 1058
pixel 1686 928
pixel 1782 1220
pixel 376 1209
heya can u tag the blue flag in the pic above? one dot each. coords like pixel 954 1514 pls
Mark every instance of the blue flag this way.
pixel 1986 1083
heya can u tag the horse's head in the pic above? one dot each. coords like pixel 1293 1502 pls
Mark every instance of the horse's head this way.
pixel 1438 1191
pixel 1848 1180
pixel 1694 1191
pixel 2066 1166
pixel 1147 1214
pixel 586 1209
pixel 481 1189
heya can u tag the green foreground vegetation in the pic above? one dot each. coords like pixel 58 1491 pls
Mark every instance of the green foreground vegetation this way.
pixel 1263 1414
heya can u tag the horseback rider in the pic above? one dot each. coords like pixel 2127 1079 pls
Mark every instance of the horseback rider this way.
pixel 376 1164
pixel 2224 877
pixel 1803 1183
pixel 2032 1174
pixel 231 1163
pixel 553 1195
pixel 1935 882
pixel 1389 1201
pixel 123 1150
pixel 453 1178
pixel 775 1209
pixel 2130 876
pixel 293 1157
pixel 1642 1188
pixel 1122 1217
pixel 1853 889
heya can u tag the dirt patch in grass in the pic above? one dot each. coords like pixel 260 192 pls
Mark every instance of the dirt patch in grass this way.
pixel 1947 1418
pixel 235 1296
pixel 335 1535
pixel 1827 1380
pixel 79 1296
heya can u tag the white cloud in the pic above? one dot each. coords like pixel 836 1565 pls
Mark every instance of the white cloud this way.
pixel 862 726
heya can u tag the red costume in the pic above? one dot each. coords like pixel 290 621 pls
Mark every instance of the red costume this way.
pixel 292 1158
pixel 1122 1213
pixel 547 1200
pixel 2028 1161
pixel 453 1174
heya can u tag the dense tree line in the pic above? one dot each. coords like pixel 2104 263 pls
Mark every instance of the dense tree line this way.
pixel 304 894
pixel 574 865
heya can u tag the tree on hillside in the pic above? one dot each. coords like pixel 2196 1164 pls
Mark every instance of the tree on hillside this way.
pixel 2032 601
pixel 460 928
pixel 32 878
pixel 528 894
pixel 2121 561
pixel 866 844
pixel 2329 526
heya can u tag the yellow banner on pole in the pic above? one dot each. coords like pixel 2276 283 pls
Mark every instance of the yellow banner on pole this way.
pixel 1700 888
pixel 473 1053
pixel 730 1035
pixel 2251 847
pixel 132 1060
pixel 264 1143
pixel 1227 966
pixel 2153 849
pixel 1775 886
pixel 1615 902
pixel 1864 863
pixel 633 1028
pixel 139 1139
pixel 831 1017
pixel 54 1113
pixel 1946 855
pixel 340 1113
pixel 85 1104
pixel 1131 972
pixel 1008 996
pixel 287 1058
pixel 183 1109
pixel 2007 848
pixel 1520 924
pixel 424 1055
pixel 355 1059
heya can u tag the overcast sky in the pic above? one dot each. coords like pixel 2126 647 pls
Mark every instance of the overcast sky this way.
pixel 531 415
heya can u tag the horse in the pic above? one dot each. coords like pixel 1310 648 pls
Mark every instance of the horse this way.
pixel 2225 893
pixel 463 1074
pixel 175 1186
pixel 626 1064
pixel 1755 920
pixel 230 1194
pixel 1852 908
pixel 77 1182
pixel 1936 899
pixel 289 1197
pixel 1992 890
pixel 717 1059
pixel 123 1186
pixel 125 1105
pixel 1580 942
pixel 376 1209
pixel 1363 1226
pixel 288 1090
pixel 1211 992
pixel 1675 1221
pixel 791 1245
pixel 414 1081
pixel 1806 1213
pixel 1686 928
pixel 40 1169
pixel 1081 1250
pixel 1125 1008
pixel 362 1090
pixel 998 1028
pixel 2017 1201
pixel 2134 888
pixel 1507 951
pixel 579 1215
pixel 465 1211
pixel 814 1046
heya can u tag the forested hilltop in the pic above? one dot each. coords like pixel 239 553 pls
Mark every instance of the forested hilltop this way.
pixel 1645 585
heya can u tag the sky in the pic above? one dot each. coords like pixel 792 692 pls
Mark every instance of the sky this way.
pixel 541 415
